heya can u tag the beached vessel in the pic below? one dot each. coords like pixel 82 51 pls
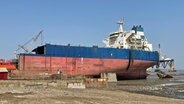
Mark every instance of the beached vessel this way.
pixel 128 54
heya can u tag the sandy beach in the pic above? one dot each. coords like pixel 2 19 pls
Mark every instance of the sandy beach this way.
pixel 47 92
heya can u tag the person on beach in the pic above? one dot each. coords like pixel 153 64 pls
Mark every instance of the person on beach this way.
pixel 59 74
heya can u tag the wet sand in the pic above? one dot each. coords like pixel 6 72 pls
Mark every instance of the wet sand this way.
pixel 171 88
pixel 53 92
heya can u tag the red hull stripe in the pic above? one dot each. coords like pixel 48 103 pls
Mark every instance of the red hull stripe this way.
pixel 80 66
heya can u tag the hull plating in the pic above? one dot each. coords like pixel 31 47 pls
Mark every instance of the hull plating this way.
pixel 125 69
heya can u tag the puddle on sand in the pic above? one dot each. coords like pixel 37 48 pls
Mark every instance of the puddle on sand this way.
pixel 171 84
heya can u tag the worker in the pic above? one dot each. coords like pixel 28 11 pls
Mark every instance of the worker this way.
pixel 59 74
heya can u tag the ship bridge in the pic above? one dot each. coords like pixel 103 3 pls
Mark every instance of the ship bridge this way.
pixel 133 39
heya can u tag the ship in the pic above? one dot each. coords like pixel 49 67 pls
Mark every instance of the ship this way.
pixel 126 53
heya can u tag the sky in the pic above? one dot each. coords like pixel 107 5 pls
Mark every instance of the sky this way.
pixel 88 22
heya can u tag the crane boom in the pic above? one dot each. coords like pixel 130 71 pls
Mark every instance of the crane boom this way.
pixel 28 43
pixel 36 37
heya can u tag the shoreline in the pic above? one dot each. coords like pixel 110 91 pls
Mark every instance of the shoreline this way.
pixel 55 91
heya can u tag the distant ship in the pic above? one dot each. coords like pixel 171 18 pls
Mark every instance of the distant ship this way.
pixel 126 53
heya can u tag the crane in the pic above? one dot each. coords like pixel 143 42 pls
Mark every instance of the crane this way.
pixel 25 47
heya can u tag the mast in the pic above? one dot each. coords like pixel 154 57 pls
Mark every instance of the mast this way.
pixel 121 32
pixel 120 23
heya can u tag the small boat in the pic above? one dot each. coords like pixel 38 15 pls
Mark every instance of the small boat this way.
pixel 163 75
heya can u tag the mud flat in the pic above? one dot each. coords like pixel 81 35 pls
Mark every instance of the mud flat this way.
pixel 56 92
pixel 169 87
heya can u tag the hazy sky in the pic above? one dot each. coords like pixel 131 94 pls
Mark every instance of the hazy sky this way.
pixel 88 22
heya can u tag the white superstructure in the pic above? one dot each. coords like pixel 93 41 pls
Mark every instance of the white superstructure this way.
pixel 133 39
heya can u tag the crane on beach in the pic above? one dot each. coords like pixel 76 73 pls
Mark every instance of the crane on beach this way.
pixel 28 46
